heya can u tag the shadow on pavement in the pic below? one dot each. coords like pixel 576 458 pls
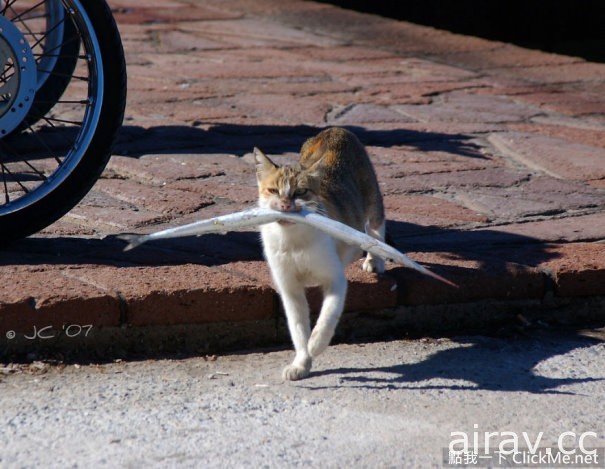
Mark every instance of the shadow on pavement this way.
pixel 490 247
pixel 240 139
pixel 475 363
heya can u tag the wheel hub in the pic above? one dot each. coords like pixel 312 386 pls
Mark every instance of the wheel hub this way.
pixel 18 77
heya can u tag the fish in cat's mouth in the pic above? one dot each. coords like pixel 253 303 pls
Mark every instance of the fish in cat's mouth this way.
pixel 291 208
pixel 286 222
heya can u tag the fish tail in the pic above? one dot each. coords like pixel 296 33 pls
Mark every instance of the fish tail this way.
pixel 132 240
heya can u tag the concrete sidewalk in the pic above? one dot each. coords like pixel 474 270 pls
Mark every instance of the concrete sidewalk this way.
pixel 385 404
pixel 491 159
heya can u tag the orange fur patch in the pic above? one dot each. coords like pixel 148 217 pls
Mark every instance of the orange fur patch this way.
pixel 330 157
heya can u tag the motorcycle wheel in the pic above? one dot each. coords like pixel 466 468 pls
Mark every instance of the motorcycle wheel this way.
pixel 62 99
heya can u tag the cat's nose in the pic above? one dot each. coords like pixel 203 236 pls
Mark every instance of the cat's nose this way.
pixel 287 206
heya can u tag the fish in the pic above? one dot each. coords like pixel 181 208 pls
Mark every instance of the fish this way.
pixel 254 217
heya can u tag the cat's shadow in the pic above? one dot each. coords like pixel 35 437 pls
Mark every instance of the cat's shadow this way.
pixel 471 364
pixel 135 141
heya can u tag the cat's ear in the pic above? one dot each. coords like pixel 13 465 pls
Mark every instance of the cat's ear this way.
pixel 315 169
pixel 263 163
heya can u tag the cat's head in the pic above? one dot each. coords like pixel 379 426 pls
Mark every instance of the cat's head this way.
pixel 286 188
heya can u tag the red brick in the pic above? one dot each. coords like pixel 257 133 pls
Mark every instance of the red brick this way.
pixel 345 53
pixel 541 195
pixel 368 292
pixel 51 295
pixel 230 188
pixel 287 108
pixel 570 229
pixel 455 128
pixel 585 136
pixel 478 277
pixel 578 269
pixel 553 155
pixel 571 103
pixel 490 178
pixel 64 227
pixel 130 13
pixel 508 55
pixel 409 93
pixel 251 33
pixel 256 271
pixel 365 292
pixel 563 73
pixel 432 155
pixel 363 114
pixel 400 71
pixel 156 114
pixel 270 7
pixel 405 169
pixel 104 219
pixel 184 294
pixel 203 89
pixel 462 106
pixel 429 211
pixel 160 169
pixel 185 41
pixel 597 183
pixel 160 199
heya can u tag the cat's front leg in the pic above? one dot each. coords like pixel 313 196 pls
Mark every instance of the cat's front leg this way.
pixel 297 314
pixel 335 294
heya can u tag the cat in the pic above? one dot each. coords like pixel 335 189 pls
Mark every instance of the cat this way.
pixel 334 178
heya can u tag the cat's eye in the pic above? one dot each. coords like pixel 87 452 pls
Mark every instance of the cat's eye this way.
pixel 273 190
pixel 300 192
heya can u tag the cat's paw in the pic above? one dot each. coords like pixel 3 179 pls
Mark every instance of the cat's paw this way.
pixel 295 372
pixel 373 264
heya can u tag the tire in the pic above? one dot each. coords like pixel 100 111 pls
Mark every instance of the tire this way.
pixel 79 153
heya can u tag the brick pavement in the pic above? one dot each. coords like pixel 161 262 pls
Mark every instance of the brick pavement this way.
pixel 491 159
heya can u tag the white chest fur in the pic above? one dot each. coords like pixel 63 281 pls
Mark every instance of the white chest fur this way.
pixel 299 253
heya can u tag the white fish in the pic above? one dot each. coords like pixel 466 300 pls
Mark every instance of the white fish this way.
pixel 260 216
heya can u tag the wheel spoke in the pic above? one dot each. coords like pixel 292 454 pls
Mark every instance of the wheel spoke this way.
pixel 64 121
pixel 47 33
pixel 58 56
pixel 61 45
pixel 17 18
pixel 37 17
pixel 64 75
pixel 8 5
pixel 49 150
pixel 66 101
pixel 14 178
pixel 49 121
pixel 24 24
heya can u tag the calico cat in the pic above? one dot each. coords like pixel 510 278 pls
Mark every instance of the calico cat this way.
pixel 335 178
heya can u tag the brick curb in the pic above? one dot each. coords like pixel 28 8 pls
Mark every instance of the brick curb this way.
pixel 86 300
pixel 471 140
